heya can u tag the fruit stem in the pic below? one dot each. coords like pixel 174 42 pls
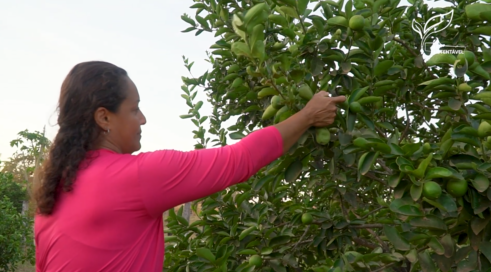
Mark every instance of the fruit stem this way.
pixel 276 88
pixel 301 21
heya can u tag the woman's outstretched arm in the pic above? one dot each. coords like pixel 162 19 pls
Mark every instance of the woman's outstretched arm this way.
pixel 168 177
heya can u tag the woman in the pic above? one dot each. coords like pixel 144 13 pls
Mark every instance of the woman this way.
pixel 100 208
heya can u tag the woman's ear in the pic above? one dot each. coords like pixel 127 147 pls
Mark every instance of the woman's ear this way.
pixel 102 118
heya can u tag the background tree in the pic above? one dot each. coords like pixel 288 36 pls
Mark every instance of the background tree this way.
pixel 400 181
pixel 16 224
pixel 31 149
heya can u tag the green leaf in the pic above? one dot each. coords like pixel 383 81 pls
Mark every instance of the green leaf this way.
pixel 338 20
pixel 260 183
pixel 203 22
pixel 480 71
pixel 189 29
pixel 205 253
pixel 316 66
pixel 266 251
pixel 247 252
pixel 236 135
pixel 485 248
pixel 279 240
pixel 241 49
pixel 454 104
pixel 416 191
pixel 199 5
pixel 449 245
pixel 366 161
pixel 436 246
pixel 435 203
pixel 478 224
pixel 293 171
pixel 394 237
pixel 447 202
pixel 485 30
pixel 425 261
pixel 394 180
pixel 290 12
pixel 246 232
pixel 441 59
pixel 480 182
pixel 408 210
pixel 382 67
pixel 182 220
pixel 460 137
pixel 188 20
pixel 302 6
pixel 429 222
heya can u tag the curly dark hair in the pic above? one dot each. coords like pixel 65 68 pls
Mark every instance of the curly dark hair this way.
pixel 88 86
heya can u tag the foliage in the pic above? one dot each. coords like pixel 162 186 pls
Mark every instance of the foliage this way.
pixel 16 234
pixel 13 191
pixel 16 224
pixel 31 147
pixel 390 191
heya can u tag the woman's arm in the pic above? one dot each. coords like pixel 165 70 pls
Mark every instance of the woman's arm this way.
pixel 169 178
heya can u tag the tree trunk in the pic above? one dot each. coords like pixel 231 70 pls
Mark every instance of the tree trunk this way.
pixel 186 213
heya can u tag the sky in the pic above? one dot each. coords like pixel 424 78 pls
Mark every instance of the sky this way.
pixel 42 40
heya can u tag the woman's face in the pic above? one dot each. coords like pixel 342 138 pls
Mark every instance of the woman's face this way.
pixel 124 125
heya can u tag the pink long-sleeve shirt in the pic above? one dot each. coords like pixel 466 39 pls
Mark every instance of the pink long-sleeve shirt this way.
pixel 112 219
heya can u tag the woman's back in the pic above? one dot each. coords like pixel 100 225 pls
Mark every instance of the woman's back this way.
pixel 102 222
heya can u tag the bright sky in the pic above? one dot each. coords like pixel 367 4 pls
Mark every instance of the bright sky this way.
pixel 43 40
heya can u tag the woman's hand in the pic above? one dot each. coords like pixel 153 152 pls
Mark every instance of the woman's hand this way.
pixel 321 110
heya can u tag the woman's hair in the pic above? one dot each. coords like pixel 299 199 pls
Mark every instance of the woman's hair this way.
pixel 88 86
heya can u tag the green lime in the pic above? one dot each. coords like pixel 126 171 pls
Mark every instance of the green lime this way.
pixel 457 188
pixel 355 107
pixel 307 218
pixel 276 102
pixel 432 190
pixel 357 22
pixel 467 55
pixel 426 147
pixel 256 260
pixel 322 136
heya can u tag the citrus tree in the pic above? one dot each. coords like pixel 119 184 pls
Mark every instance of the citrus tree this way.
pixel 399 182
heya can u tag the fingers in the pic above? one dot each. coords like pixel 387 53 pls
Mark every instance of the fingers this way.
pixel 338 99
pixel 335 99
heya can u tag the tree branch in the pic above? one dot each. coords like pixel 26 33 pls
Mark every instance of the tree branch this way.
pixel 408 123
pixel 382 244
pixel 372 212
pixel 276 88
pixel 366 226
pixel 382 163
pixel 301 238
pixel 372 176
pixel 365 243
pixel 384 267
pixel 415 55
